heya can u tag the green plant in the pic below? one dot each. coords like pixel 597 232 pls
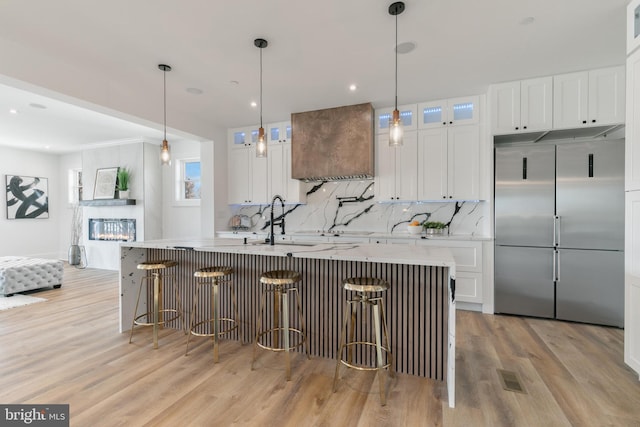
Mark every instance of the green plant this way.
pixel 434 224
pixel 123 179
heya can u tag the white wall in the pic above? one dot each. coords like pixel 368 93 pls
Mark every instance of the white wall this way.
pixel 32 237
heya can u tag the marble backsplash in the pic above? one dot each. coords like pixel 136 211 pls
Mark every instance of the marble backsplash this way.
pixel 351 206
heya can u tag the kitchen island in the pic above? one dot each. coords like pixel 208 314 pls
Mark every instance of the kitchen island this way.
pixel 420 303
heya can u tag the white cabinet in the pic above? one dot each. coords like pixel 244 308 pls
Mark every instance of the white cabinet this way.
pixel 279 132
pixel 469 267
pixel 632 281
pixel 247 176
pixel 279 174
pixel 589 98
pixel 449 112
pixel 632 128
pixel 243 137
pixel 448 163
pixel 633 26
pixel 396 168
pixel 407 115
pixel 522 106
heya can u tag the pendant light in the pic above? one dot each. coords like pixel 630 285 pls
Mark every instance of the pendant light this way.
pixel 261 147
pixel 165 156
pixel 395 127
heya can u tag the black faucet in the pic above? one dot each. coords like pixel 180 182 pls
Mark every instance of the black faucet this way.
pixel 272 239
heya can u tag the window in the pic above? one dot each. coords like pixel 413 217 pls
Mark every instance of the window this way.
pixel 188 180
pixel 74 186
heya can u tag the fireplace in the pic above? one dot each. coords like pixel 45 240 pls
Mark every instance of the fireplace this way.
pixel 112 229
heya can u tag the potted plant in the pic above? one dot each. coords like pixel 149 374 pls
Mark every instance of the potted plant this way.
pixel 123 183
pixel 434 227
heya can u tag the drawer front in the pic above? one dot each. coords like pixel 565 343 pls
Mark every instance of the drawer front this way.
pixel 469 287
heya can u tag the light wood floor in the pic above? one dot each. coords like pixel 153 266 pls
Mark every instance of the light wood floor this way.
pixel 68 350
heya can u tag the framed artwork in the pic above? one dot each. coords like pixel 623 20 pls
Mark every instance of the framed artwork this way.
pixel 27 197
pixel 105 183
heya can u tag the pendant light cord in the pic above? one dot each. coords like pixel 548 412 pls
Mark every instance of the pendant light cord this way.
pixel 396 50
pixel 164 75
pixel 260 87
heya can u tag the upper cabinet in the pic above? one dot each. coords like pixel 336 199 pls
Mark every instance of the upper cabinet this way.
pixel 589 98
pixel 279 132
pixel 247 177
pixel 448 165
pixel 522 106
pixel 396 169
pixel 448 112
pixel 408 115
pixel 243 137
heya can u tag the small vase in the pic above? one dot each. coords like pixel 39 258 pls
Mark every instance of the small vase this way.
pixel 123 194
pixel 75 255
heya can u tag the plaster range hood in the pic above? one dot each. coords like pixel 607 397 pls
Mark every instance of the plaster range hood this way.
pixel 590 132
pixel 333 144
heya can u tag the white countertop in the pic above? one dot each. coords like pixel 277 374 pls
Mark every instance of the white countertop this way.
pixel 365 252
pixel 300 235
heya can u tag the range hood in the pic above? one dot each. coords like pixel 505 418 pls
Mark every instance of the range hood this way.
pixel 589 132
pixel 333 144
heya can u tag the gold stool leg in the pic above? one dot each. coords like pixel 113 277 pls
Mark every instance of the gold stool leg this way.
pixel 379 361
pixel 388 342
pixel 135 312
pixel 302 327
pixel 343 338
pixel 285 324
pixel 157 306
pixel 193 315
pixel 352 328
pixel 258 327
pixel 215 301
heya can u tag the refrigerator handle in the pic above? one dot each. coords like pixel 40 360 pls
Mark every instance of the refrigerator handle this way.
pixel 557 266
pixel 553 268
pixel 556 235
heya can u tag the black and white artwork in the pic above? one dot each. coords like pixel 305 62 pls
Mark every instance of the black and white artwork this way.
pixel 27 197
pixel 106 180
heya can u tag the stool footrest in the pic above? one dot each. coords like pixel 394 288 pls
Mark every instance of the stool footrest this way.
pixel 365 367
pixel 268 331
pixel 210 321
pixel 150 315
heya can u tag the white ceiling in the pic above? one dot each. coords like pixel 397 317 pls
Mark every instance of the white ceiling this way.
pixel 102 57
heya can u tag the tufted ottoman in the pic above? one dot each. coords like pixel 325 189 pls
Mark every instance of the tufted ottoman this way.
pixel 19 274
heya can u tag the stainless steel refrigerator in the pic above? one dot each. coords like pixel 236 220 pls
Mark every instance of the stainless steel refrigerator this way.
pixel 559 228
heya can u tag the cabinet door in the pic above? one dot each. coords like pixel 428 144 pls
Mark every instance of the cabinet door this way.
pixel 570 100
pixel 407 115
pixel 606 96
pixel 279 132
pixel 295 189
pixel 407 168
pixel 632 280
pixel 505 108
pixel 463 111
pixel 385 182
pixel 433 114
pixel 259 182
pixel 239 176
pixel 463 163
pixel 238 137
pixel 536 103
pixel 632 129
pixel 432 164
pixel 277 173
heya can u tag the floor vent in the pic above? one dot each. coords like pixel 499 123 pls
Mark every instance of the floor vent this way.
pixel 510 381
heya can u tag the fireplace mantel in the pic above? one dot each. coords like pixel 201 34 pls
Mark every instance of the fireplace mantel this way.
pixel 108 202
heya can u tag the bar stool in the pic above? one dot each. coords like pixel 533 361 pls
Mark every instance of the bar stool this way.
pixel 365 286
pixel 280 283
pixel 155 316
pixel 213 277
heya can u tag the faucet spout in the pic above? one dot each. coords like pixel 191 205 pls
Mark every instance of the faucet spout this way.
pixel 273 222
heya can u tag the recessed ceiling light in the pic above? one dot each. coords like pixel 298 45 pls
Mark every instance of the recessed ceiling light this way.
pixel 194 91
pixel 47 147
pixel 35 105
pixel 234 82
pixel 353 87
pixel 528 20
pixel 405 47
pixel 254 104
pixel 13 111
